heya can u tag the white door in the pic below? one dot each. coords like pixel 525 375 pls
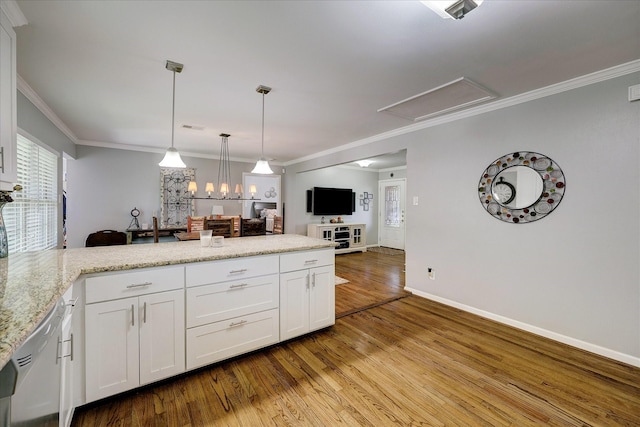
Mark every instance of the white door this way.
pixel 111 347
pixel 294 304
pixel 161 335
pixel 322 301
pixel 391 224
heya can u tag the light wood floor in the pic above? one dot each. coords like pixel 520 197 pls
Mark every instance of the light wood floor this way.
pixel 410 361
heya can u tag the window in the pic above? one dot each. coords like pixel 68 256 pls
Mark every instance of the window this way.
pixel 32 218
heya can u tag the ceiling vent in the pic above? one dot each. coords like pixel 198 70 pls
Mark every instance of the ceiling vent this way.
pixel 193 127
pixel 455 95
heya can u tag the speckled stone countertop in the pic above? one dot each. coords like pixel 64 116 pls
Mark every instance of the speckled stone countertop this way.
pixel 31 283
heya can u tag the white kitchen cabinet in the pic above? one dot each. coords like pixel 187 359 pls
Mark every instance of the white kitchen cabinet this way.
pixel 135 340
pixel 112 349
pixel 232 308
pixel 307 292
pixel 8 104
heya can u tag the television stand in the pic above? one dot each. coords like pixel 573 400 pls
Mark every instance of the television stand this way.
pixel 350 237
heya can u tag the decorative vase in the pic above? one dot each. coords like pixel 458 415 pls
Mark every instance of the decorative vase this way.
pixel 4 243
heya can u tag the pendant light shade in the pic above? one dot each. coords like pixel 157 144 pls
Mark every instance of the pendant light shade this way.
pixel 172 157
pixel 262 166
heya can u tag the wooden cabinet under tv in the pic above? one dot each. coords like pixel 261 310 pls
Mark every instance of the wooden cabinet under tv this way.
pixel 350 237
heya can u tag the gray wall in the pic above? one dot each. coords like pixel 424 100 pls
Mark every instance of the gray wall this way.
pixel 573 276
pixel 335 177
pixel 104 184
pixel 38 126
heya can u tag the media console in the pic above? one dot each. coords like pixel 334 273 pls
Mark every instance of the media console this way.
pixel 350 237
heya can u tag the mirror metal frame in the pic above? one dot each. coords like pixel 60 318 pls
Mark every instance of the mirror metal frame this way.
pixel 553 180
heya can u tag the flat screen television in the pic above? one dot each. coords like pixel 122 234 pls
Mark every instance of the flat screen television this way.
pixel 332 201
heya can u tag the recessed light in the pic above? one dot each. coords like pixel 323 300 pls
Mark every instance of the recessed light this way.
pixel 364 163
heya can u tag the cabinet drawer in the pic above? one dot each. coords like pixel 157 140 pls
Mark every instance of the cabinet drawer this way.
pixel 221 271
pixel 123 285
pixel 301 260
pixel 212 303
pixel 218 341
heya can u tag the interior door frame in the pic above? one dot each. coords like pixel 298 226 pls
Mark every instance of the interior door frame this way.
pixel 381 204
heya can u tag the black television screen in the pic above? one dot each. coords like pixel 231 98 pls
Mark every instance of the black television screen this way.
pixel 332 201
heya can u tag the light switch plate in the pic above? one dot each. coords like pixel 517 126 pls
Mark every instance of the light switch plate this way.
pixel 634 93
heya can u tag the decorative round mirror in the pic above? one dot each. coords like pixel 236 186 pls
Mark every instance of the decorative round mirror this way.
pixel 521 187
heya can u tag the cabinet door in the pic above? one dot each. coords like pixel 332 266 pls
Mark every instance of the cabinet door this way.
pixel 322 299
pixel 111 347
pixel 358 237
pixel 8 105
pixel 294 304
pixel 161 335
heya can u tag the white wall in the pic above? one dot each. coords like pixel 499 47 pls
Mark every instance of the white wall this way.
pixel 104 184
pixel 359 180
pixel 574 275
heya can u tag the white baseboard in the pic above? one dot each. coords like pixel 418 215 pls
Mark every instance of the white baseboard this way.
pixel 593 348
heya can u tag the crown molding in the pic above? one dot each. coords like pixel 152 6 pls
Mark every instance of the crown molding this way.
pixel 39 103
pixel 145 149
pixel 578 82
pixel 13 13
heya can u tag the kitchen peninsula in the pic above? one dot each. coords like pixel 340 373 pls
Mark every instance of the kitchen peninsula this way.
pixel 252 276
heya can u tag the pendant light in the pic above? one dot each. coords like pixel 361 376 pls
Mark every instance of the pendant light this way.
pixel 262 166
pixel 172 157
pixel 224 166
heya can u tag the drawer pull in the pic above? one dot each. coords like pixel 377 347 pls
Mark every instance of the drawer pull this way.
pixel 133 320
pixel 238 285
pixel 144 312
pixel 234 324
pixel 311 261
pixel 139 285
pixel 242 270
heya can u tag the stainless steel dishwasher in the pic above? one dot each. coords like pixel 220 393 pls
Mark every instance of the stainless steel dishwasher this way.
pixel 30 391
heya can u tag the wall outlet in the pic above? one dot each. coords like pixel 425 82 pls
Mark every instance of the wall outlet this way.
pixel 431 274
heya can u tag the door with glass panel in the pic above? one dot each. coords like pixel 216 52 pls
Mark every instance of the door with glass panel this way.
pixel 391 224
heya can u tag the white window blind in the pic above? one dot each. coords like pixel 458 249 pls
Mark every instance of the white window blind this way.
pixel 32 218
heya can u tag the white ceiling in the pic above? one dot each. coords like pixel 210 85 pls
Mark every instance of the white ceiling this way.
pixel 100 65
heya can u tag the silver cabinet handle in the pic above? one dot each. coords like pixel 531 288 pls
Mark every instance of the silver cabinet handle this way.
pixel 133 321
pixel 311 261
pixel 144 312
pixel 59 354
pixel 242 270
pixel 307 281
pixel 313 282
pixel 139 285
pixel 2 159
pixel 238 285
pixel 233 324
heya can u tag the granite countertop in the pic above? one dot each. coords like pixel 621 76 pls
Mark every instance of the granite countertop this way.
pixel 31 283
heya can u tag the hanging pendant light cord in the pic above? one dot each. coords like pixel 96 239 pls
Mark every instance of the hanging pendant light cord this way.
pixel 173 108
pixel 262 125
